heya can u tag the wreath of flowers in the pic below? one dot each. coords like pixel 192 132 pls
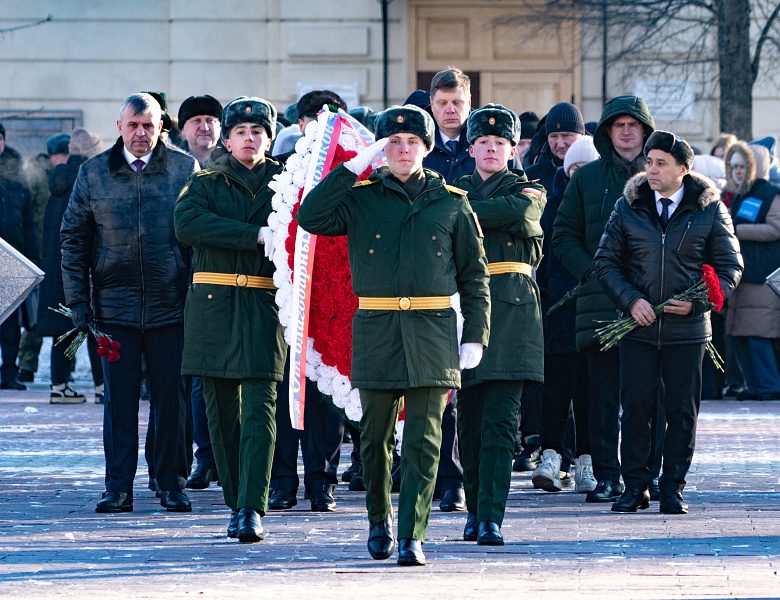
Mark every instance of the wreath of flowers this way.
pixel 329 353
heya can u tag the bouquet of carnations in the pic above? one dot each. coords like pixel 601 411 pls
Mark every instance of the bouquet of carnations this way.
pixel 106 346
pixel 707 289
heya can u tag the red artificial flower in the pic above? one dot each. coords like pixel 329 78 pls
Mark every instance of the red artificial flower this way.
pixel 714 291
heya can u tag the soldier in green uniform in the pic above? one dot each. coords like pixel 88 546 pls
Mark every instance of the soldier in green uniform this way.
pixel 413 242
pixel 509 208
pixel 232 336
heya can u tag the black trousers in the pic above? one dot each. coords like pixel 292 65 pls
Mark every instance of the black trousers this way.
pixel 604 411
pixel 60 364
pixel 320 441
pixel 644 368
pixel 162 347
pixel 10 336
pixel 565 384
pixel 450 471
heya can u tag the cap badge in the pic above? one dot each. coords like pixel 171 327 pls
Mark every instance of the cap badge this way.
pixel 558 126
pixel 400 118
pixel 248 109
pixel 492 120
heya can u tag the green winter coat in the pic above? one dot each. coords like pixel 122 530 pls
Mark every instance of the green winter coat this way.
pixel 229 332
pixel 585 210
pixel 400 248
pixel 510 222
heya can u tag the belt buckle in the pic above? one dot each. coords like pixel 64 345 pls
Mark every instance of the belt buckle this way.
pixel 404 303
pixel 241 280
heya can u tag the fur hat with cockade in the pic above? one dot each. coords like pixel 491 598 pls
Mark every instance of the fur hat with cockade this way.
pixel 493 119
pixel 405 119
pixel 249 110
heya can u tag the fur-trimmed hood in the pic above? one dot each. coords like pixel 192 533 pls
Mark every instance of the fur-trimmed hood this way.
pixel 637 187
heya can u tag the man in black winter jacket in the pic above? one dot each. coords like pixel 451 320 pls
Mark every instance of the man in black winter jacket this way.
pixel 667 225
pixel 118 232
pixel 17 227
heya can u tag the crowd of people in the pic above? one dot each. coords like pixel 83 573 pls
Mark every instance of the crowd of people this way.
pixel 546 227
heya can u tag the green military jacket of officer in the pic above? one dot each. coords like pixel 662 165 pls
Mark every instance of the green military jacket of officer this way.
pixel 402 247
pixel 232 332
pixel 509 218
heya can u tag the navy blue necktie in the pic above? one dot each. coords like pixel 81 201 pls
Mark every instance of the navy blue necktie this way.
pixel 452 146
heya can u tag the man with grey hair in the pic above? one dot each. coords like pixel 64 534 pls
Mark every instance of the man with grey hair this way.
pixel 118 232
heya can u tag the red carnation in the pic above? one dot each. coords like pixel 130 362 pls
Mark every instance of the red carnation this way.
pixel 113 357
pixel 712 282
pixel 103 341
pixel 102 351
pixel 115 346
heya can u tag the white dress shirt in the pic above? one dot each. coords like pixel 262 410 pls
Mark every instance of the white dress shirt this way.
pixel 675 198
pixel 131 159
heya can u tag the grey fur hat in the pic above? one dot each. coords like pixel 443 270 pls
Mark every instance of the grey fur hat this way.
pixel 666 141
pixel 405 119
pixel 493 119
pixel 249 110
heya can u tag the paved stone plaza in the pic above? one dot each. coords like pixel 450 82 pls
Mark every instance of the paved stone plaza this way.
pixel 53 544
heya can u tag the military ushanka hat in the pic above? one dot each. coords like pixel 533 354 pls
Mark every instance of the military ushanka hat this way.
pixel 405 119
pixel 493 119
pixel 249 110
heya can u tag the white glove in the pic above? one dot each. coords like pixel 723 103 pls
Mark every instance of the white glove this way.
pixel 266 237
pixel 365 157
pixel 470 355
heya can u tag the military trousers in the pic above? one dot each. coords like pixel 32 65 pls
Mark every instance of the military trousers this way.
pixel 241 416
pixel 487 425
pixel 419 453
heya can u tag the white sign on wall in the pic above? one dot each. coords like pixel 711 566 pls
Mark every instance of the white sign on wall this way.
pixel 349 91
pixel 668 100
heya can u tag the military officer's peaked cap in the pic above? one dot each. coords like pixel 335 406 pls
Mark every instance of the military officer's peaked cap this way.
pixel 493 119
pixel 249 110
pixel 405 119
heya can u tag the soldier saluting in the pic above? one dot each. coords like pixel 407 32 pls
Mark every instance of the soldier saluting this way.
pixel 413 242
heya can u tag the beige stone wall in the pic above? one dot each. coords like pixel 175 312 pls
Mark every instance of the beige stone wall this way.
pixel 96 52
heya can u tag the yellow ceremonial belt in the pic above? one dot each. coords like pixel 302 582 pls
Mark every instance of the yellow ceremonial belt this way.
pixel 509 267
pixel 265 283
pixel 419 303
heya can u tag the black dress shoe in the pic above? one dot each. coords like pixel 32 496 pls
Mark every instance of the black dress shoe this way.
pixel 655 491
pixel 232 530
pixel 25 376
pixel 250 529
pixel 175 501
pixel 115 502
pixel 528 459
pixel 202 476
pixel 322 501
pixel 489 534
pixel 631 500
pixel 453 499
pixel 346 476
pixel 606 491
pixel 470 530
pixel 672 503
pixel 12 384
pixel 410 553
pixel 356 482
pixel 154 487
pixel 381 542
pixel 282 499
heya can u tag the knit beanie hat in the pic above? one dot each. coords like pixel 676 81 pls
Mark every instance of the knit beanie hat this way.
pixel 666 141
pixel 249 110
pixel 564 117
pixel 581 151
pixel 493 119
pixel 529 121
pixel 84 143
pixel 405 119
pixel 199 105
pixel 58 144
